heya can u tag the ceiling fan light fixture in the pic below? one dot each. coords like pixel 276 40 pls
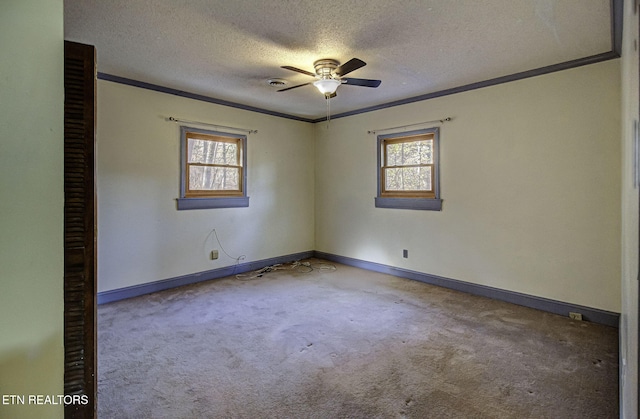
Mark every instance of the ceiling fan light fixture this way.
pixel 327 86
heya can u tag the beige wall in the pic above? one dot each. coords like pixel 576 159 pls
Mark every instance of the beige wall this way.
pixel 629 315
pixel 31 208
pixel 530 180
pixel 143 238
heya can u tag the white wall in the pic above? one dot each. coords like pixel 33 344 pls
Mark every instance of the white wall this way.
pixel 530 179
pixel 629 315
pixel 143 238
pixel 31 207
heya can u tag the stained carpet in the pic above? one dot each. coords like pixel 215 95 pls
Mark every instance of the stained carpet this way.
pixel 347 343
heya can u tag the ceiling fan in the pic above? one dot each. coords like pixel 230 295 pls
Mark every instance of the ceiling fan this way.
pixel 329 75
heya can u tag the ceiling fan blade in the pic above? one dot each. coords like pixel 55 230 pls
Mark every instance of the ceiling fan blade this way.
pixel 308 73
pixel 349 66
pixel 293 87
pixel 362 82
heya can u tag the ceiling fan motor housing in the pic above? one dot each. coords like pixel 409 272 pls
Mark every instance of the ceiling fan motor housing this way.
pixel 325 67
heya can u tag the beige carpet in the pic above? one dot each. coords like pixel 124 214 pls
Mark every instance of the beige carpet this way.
pixel 347 343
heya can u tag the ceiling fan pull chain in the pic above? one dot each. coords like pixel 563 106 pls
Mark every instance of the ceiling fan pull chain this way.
pixel 328 108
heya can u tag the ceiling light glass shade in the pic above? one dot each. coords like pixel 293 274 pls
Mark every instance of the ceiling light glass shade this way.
pixel 327 86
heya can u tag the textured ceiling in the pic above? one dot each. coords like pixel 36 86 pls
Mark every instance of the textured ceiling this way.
pixel 228 50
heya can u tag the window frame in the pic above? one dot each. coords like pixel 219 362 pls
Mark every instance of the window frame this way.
pixel 414 200
pixel 212 199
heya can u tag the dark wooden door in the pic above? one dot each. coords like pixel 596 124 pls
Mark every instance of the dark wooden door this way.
pixel 79 229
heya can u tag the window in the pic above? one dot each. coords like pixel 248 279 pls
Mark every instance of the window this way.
pixel 408 166
pixel 213 170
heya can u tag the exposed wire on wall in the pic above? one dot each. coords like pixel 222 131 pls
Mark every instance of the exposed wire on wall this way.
pixel 237 259
pixel 301 267
pixel 435 121
pixel 176 120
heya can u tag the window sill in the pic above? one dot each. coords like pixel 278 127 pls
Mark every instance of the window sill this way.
pixel 425 204
pixel 207 203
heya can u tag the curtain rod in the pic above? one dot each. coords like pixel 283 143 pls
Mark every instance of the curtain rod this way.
pixel 442 121
pixel 248 131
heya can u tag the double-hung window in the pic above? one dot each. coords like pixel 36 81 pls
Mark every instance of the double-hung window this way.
pixel 408 170
pixel 213 170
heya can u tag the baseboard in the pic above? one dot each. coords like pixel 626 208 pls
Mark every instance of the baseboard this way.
pixel 148 288
pixel 594 315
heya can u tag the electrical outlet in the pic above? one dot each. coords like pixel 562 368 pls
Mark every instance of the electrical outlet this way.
pixel 575 316
pixel 214 254
pixel 405 253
